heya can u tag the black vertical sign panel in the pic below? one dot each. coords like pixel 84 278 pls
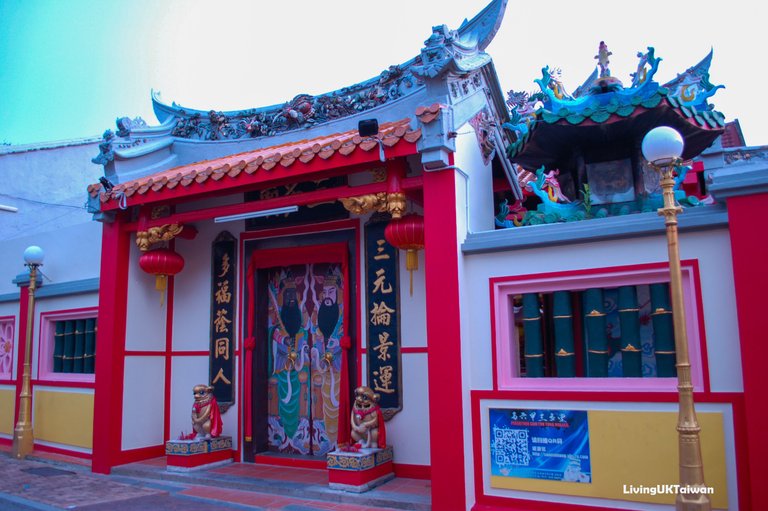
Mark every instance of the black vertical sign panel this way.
pixel 383 317
pixel 223 286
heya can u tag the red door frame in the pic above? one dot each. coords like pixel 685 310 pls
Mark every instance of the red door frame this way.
pixel 280 257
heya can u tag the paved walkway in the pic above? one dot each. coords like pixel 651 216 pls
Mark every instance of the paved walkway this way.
pixel 46 482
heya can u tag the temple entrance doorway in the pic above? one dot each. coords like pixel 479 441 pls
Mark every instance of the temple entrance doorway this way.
pixel 301 311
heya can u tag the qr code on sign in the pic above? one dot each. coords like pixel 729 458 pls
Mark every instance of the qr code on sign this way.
pixel 510 447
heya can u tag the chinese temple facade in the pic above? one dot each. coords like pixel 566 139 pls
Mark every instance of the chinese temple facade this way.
pixel 491 265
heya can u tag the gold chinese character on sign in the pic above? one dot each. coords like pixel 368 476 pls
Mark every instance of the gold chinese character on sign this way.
pixel 383 346
pixel 380 251
pixel 222 348
pixel 222 293
pixel 220 377
pixel 384 381
pixel 378 284
pixel 224 265
pixel 221 322
pixel 269 193
pixel 381 314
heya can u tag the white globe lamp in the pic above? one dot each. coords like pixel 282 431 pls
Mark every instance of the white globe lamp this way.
pixel 662 146
pixel 33 256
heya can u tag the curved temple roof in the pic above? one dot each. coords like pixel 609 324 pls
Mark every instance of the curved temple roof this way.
pixel 305 110
pixel 246 168
pixel 545 124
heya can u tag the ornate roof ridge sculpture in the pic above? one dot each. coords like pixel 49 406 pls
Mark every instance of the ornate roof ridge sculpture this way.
pixel 463 48
pixel 603 99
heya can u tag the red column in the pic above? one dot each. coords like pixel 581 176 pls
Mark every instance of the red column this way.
pixel 110 347
pixel 749 247
pixel 441 254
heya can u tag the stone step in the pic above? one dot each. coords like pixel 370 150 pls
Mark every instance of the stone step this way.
pixel 377 497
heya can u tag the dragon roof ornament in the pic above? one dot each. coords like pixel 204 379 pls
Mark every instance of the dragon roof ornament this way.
pixel 459 50
pixel 602 96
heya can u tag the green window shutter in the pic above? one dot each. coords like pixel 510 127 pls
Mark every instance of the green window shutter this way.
pixel 58 347
pixel 77 365
pixel 663 330
pixel 565 359
pixel 89 355
pixel 534 348
pixel 597 338
pixel 629 319
pixel 69 346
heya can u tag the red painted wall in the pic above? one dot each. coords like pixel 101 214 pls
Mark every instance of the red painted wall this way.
pixel 749 247
pixel 441 254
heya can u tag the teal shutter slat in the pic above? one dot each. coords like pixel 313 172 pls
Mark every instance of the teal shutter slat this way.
pixel 77 363
pixel 534 349
pixel 89 355
pixel 663 330
pixel 69 346
pixel 597 338
pixel 565 359
pixel 629 319
pixel 58 347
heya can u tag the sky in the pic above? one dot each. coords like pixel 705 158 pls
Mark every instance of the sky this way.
pixel 69 68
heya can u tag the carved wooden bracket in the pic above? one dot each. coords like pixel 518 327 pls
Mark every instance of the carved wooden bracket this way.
pixel 382 202
pixel 165 232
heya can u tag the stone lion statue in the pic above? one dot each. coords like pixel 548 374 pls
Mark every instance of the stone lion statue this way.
pixel 367 420
pixel 206 417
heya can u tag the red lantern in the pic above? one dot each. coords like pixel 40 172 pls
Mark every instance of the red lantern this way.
pixel 161 262
pixel 407 233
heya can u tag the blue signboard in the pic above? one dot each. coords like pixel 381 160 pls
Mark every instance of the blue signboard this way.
pixel 540 444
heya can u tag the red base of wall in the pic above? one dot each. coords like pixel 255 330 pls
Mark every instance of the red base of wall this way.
pixel 502 504
pixel 197 460
pixel 359 477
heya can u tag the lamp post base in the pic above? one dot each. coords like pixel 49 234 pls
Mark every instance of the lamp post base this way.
pixel 23 442
pixel 691 502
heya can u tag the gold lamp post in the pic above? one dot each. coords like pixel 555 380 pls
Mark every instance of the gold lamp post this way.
pixel 23 439
pixel 662 148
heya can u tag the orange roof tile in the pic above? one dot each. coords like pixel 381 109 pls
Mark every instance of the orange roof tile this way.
pixel 249 162
pixel 427 114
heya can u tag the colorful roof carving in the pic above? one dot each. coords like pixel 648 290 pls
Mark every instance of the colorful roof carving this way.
pixel 602 99
pixel 243 165
pixel 460 50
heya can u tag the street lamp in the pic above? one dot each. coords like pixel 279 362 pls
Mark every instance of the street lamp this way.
pixel 23 439
pixel 662 148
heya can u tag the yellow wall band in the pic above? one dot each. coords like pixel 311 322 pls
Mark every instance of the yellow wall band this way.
pixel 639 449
pixel 7 410
pixel 63 417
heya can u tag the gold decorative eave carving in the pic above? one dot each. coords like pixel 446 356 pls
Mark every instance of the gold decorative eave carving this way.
pixel 165 232
pixel 381 202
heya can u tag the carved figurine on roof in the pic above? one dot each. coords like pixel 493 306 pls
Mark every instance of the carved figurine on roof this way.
pixel 578 155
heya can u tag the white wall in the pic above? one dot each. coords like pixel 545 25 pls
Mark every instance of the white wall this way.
pixel 54 304
pixel 145 317
pixel 143 402
pixel 710 248
pixel 71 253
pixel 191 325
pixel 408 430
pixel 56 173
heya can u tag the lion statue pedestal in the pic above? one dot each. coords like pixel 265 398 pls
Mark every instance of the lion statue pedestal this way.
pixel 205 447
pixel 368 462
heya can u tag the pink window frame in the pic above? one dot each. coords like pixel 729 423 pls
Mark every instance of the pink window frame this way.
pixel 12 321
pixel 46 341
pixel 506 359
